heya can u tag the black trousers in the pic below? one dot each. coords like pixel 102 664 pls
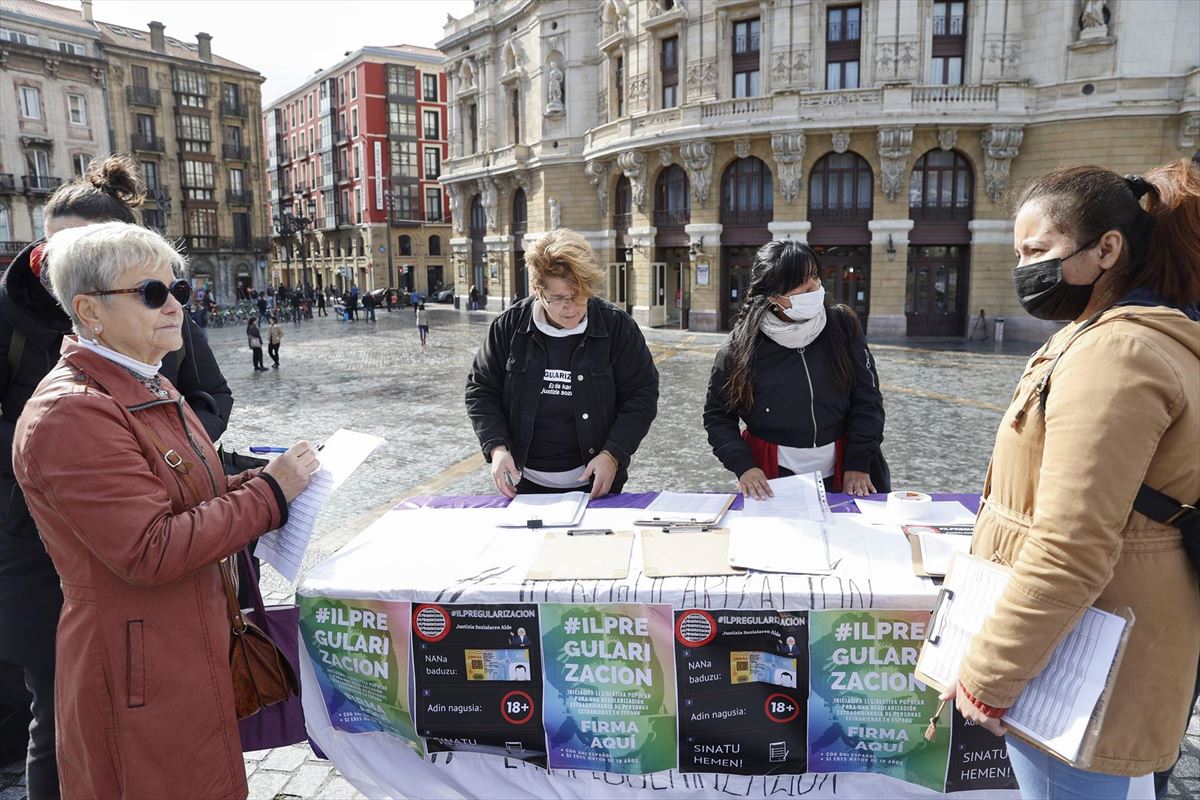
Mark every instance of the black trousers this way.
pixel 273 352
pixel 41 765
pixel 256 353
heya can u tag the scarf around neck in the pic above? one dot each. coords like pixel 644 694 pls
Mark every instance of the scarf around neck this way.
pixel 792 335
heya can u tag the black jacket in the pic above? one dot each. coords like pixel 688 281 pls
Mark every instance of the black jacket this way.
pixel 786 412
pixel 30 598
pixel 612 366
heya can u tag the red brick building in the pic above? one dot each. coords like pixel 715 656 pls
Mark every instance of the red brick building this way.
pixel 361 138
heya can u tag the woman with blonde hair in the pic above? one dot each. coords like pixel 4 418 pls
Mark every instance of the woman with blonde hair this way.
pixel 563 389
pixel 1092 488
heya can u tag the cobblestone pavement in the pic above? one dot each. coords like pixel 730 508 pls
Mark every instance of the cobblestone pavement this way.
pixel 942 408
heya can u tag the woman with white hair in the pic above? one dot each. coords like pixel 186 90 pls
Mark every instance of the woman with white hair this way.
pixel 131 502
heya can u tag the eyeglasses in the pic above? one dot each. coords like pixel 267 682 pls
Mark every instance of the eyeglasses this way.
pixel 562 300
pixel 154 293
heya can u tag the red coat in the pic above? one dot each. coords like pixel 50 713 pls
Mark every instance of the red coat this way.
pixel 143 695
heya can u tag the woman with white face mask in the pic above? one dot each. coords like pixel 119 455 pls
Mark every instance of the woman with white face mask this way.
pixel 797 372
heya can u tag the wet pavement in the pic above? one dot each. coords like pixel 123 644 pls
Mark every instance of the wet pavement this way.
pixel 943 406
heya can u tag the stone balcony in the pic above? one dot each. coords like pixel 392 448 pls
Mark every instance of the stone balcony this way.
pixel 851 108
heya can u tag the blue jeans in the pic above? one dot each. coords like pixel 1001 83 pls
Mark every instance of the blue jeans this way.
pixel 1043 777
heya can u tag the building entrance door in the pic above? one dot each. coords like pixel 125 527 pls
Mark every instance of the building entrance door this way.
pixel 735 280
pixel 658 294
pixel 935 296
pixel 618 285
pixel 846 274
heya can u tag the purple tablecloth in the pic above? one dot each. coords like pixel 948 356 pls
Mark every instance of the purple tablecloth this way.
pixel 840 503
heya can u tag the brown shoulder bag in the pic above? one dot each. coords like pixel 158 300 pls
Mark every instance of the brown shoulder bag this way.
pixel 261 674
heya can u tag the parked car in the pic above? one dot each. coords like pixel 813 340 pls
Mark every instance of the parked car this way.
pixel 443 295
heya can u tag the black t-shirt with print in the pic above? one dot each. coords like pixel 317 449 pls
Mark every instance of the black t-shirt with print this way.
pixel 555 445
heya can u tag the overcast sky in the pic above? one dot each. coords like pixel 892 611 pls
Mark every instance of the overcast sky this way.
pixel 287 40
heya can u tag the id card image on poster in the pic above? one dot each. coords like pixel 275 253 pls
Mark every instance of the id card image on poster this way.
pixel 478 675
pixel 743 685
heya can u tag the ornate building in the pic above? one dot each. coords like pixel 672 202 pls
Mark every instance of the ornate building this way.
pixel 354 156
pixel 680 135
pixel 188 116
pixel 53 118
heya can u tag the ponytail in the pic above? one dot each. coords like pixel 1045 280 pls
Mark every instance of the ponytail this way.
pixel 1172 264
pixel 108 191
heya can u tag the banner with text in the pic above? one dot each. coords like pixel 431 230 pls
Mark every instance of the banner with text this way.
pixel 867 712
pixel 478 675
pixel 743 683
pixel 359 653
pixel 609 688
pixel 978 759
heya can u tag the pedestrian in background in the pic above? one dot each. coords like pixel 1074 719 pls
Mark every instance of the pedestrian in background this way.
pixel 1107 413
pixel 262 307
pixel 321 312
pixel 473 299
pixel 368 302
pixel 199 315
pixel 297 299
pixel 137 530
pixel 274 337
pixel 254 339
pixel 422 323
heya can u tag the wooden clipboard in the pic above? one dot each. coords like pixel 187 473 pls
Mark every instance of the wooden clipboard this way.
pixel 667 553
pixel 563 557
pixel 947 595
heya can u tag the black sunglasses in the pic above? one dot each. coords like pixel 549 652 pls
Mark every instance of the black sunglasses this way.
pixel 154 293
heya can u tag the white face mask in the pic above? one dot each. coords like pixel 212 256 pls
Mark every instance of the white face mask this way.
pixel 805 306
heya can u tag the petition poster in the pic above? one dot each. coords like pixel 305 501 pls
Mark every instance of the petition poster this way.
pixel 609 689
pixel 359 654
pixel 867 712
pixel 478 675
pixel 978 760
pixel 743 686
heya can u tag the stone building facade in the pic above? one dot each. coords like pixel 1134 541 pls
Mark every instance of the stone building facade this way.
pixel 354 156
pixel 189 117
pixel 53 118
pixel 680 135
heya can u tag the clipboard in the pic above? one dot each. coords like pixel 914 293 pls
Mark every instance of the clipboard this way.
pixel 969 584
pixel 562 556
pixel 679 520
pixel 667 553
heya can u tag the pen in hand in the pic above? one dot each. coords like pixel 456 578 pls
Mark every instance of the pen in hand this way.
pixel 263 450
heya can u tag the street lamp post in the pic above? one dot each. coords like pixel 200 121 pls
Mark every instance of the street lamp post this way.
pixel 287 225
pixel 389 202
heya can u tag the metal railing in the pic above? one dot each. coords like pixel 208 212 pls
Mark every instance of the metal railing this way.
pixel 39 184
pixel 242 197
pixel 198 243
pixel 746 216
pixel 143 96
pixel 10 249
pixel 839 214
pixel 621 222
pixel 746 43
pixel 152 144
pixel 843 31
pixel 942 95
pixel 7 182
pixel 237 152
pixel 672 216
pixel 233 109
pixel 949 26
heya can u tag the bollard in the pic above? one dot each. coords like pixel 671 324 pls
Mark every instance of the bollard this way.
pixel 999 333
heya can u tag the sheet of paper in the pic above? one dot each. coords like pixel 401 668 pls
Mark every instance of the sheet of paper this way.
pixel 551 510
pixel 938 548
pixel 977 589
pixel 342 453
pixel 687 507
pixel 939 512
pixel 778 545
pixel 587 557
pixel 796 497
pixel 1057 705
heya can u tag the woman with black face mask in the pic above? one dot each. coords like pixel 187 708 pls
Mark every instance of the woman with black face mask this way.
pixel 797 371
pixel 1094 475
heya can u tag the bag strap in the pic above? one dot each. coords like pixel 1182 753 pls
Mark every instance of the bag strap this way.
pixel 237 621
pixel 1167 510
pixel 16 348
pixel 256 597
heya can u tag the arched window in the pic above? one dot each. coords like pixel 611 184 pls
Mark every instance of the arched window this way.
pixel 406 245
pixel 520 213
pixel 840 189
pixel 671 203
pixel 941 188
pixel 435 245
pixel 622 205
pixel 747 193
pixel 478 218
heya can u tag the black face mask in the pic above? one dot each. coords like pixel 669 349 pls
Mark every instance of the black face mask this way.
pixel 1044 294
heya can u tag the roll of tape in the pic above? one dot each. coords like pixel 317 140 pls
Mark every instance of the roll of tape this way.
pixel 908 506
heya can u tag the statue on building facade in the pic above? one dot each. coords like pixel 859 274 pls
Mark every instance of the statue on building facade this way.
pixel 555 214
pixel 554 91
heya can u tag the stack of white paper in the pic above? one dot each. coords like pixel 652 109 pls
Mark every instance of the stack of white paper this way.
pixel 796 497
pixel 341 454
pixel 939 512
pixel 938 548
pixel 545 510
pixel 778 545
pixel 681 507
